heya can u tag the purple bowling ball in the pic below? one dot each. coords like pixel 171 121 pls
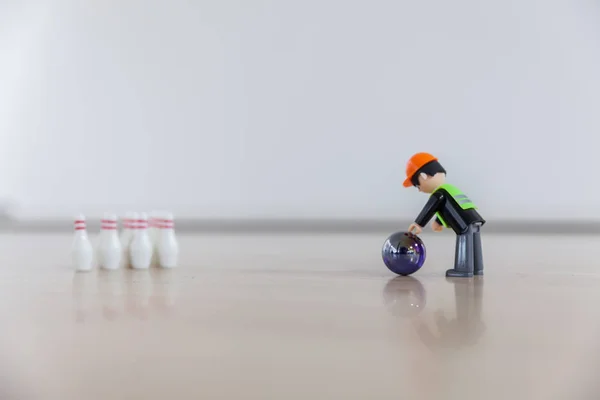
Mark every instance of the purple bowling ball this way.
pixel 403 253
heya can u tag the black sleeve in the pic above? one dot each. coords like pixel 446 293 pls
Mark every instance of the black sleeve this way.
pixel 438 221
pixel 435 200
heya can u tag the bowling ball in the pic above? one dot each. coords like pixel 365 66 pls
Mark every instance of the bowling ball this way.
pixel 403 253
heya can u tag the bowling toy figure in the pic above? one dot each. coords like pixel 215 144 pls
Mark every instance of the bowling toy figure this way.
pixel 403 253
pixel 452 208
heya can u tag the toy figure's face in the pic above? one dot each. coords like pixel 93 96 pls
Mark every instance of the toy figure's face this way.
pixel 427 184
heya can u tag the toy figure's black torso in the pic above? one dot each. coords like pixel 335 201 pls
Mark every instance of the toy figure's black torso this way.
pixel 451 212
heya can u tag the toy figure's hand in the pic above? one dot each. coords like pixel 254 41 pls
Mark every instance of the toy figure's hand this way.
pixel 416 228
pixel 436 227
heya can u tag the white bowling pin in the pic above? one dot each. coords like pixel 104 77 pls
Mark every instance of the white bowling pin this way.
pixel 140 249
pixel 129 224
pixel 167 245
pixel 153 231
pixel 82 251
pixel 110 250
pixel 127 233
pixel 98 244
pixel 100 239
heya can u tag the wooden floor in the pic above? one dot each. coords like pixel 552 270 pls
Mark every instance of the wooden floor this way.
pixel 302 317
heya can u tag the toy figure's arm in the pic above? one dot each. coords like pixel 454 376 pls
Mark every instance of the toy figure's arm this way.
pixel 431 207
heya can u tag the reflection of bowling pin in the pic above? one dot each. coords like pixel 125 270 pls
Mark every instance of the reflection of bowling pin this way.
pixel 109 250
pixel 165 290
pixel 110 288
pixel 138 292
pixel 130 306
pixel 144 292
pixel 82 252
pixel 126 236
pixel 82 294
pixel 140 249
pixel 167 246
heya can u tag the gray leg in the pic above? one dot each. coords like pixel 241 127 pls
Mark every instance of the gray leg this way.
pixel 463 256
pixel 477 252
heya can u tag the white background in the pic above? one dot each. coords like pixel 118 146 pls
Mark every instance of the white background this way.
pixel 265 108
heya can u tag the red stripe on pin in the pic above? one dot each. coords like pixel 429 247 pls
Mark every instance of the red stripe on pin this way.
pixel 166 224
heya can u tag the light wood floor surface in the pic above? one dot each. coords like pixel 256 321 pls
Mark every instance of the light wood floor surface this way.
pixel 287 317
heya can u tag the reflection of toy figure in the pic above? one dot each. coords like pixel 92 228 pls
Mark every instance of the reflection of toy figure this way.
pixel 467 328
pixel 452 209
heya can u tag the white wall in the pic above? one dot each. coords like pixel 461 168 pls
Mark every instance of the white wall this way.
pixel 298 108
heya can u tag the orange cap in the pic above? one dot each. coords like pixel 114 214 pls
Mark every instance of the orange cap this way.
pixel 414 164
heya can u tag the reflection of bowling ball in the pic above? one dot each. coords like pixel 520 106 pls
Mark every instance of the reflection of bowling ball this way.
pixel 404 296
pixel 403 253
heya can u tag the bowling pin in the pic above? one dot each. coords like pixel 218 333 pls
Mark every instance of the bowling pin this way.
pixel 82 251
pixel 129 224
pixel 110 249
pixel 153 231
pixel 99 240
pixel 140 249
pixel 127 233
pixel 167 245
pixel 97 245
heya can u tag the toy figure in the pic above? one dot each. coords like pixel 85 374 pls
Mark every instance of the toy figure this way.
pixel 452 209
